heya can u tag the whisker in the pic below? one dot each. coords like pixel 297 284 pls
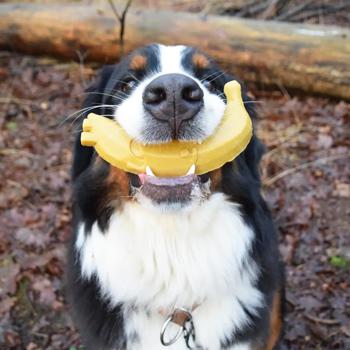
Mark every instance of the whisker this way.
pixel 90 109
pixel 118 81
pixel 248 102
pixel 132 75
pixel 132 197
pixel 118 92
pixel 77 132
pixel 80 112
pixel 105 115
pixel 221 74
pixel 124 81
pixel 72 115
pixel 104 94
pixel 208 76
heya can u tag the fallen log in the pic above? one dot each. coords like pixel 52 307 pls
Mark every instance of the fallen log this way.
pixel 310 58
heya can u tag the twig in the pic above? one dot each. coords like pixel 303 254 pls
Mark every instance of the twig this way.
pixel 252 8
pixel 121 18
pixel 270 11
pixel 16 100
pixel 24 104
pixel 345 331
pixel 81 57
pixel 326 10
pixel 220 7
pixel 287 140
pixel 269 181
pixel 321 320
pixel 114 9
pixel 293 11
pixel 273 9
pixel 309 9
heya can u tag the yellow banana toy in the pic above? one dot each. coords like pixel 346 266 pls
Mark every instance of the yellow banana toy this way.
pixel 175 158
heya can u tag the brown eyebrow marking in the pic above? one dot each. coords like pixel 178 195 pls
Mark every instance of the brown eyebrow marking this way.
pixel 138 62
pixel 200 61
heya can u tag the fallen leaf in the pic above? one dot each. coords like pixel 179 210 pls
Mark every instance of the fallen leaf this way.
pixel 8 274
pixel 342 190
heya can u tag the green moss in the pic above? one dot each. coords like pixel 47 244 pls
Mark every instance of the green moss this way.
pixel 11 126
pixel 340 261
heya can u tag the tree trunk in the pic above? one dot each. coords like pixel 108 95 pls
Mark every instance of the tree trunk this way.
pixel 310 58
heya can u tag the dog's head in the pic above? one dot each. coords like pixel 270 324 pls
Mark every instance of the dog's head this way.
pixel 158 94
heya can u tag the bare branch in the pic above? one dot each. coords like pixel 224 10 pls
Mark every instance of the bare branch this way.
pixel 115 10
pixel 121 18
pixel 271 180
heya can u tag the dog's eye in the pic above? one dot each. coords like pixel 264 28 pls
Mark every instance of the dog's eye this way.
pixel 209 85
pixel 128 85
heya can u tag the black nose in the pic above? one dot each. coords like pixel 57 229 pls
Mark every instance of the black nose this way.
pixel 173 98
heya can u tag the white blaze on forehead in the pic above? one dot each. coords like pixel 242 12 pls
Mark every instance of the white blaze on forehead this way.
pixel 170 58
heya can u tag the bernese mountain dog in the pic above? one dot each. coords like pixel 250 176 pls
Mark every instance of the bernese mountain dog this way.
pixel 186 263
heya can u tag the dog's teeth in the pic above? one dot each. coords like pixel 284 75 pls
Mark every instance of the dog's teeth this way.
pixel 149 171
pixel 191 170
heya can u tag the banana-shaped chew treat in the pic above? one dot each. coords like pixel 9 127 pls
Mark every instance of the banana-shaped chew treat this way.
pixel 175 158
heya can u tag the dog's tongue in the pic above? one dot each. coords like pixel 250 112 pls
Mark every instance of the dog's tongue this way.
pixel 166 181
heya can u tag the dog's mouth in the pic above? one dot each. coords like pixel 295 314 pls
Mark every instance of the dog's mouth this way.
pixel 170 190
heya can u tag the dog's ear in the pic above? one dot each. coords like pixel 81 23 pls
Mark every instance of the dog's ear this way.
pixel 94 102
pixel 252 156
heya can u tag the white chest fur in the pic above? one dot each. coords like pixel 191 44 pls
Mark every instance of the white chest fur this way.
pixel 156 261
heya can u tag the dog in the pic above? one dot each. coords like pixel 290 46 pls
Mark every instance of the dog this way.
pixel 191 260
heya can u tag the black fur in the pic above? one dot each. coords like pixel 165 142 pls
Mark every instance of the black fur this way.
pixel 100 325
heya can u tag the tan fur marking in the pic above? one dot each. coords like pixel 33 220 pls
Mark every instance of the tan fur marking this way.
pixel 120 180
pixel 200 61
pixel 215 178
pixel 138 62
pixel 275 322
